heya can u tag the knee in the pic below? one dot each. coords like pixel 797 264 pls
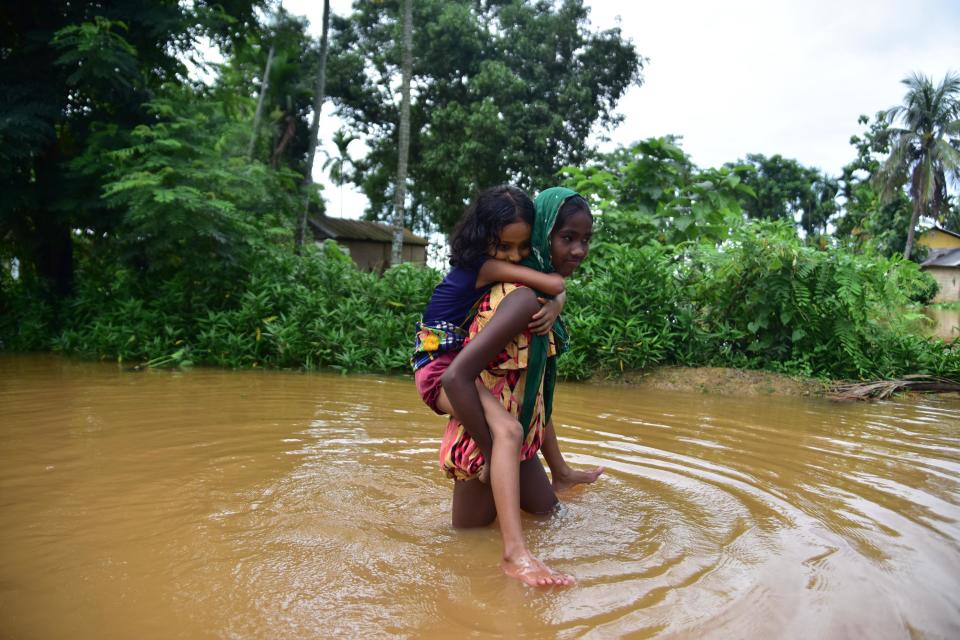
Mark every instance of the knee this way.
pixel 507 430
pixel 542 507
pixel 473 521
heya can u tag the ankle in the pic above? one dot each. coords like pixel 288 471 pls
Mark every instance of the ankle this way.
pixel 512 553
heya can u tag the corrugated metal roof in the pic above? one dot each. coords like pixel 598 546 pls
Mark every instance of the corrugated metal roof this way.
pixel 343 229
pixel 942 258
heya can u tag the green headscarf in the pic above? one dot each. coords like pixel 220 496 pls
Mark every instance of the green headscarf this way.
pixel 547 206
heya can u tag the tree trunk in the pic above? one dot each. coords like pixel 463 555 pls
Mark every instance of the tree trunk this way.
pixel 54 255
pixel 399 202
pixel 53 238
pixel 264 86
pixel 914 219
pixel 314 128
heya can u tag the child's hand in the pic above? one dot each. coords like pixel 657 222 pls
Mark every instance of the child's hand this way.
pixel 542 321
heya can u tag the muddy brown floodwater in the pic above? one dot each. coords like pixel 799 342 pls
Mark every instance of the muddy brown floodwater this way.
pixel 219 504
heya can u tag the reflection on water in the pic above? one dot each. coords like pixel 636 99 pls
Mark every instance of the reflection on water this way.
pixel 945 322
pixel 215 504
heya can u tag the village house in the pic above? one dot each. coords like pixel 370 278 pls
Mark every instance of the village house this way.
pixel 943 261
pixel 369 244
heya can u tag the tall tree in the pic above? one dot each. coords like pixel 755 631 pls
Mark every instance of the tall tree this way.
pixel 264 87
pixel 867 220
pixel 783 189
pixel 74 74
pixel 396 255
pixel 318 96
pixel 503 91
pixel 926 148
pixel 282 137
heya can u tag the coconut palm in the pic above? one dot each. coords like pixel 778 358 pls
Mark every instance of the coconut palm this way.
pixel 337 164
pixel 926 149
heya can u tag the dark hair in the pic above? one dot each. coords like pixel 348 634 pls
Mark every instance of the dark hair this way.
pixel 572 205
pixel 480 226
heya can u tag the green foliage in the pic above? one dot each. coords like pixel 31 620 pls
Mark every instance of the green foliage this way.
pixel 26 315
pixel 312 311
pixel 72 72
pixel 283 136
pixel 773 302
pixel 99 59
pixel 622 312
pixel 191 201
pixel 783 189
pixel 924 150
pixel 870 221
pixel 505 91
pixel 144 234
pixel 763 299
pixel 921 289
pixel 652 192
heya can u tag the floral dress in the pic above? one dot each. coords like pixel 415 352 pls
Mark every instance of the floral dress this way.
pixel 505 376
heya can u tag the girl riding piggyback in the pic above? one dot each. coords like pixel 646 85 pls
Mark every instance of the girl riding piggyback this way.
pixel 486 247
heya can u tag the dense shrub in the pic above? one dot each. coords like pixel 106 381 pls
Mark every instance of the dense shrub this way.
pixel 774 302
pixel 761 299
pixel 312 311
pixel 26 315
pixel 924 288
pixel 623 312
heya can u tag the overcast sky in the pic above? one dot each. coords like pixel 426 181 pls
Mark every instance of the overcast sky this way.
pixel 751 76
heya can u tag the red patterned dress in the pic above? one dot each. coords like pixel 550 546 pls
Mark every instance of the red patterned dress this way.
pixel 505 377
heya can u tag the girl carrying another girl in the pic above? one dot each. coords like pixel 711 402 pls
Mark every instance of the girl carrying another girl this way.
pixel 486 247
pixel 518 371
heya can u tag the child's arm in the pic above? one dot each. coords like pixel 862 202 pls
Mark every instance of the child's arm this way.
pixel 542 321
pixel 502 271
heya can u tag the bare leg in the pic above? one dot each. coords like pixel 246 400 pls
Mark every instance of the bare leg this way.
pixel 564 476
pixel 491 410
pixel 536 496
pixel 475 504
pixel 536 493
pixel 472 504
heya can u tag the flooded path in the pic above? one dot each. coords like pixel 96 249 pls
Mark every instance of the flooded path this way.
pixel 218 504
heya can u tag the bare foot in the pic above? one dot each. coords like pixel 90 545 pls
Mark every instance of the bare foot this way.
pixel 573 477
pixel 531 571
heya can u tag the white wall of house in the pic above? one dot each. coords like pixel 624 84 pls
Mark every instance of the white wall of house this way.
pixel 949 280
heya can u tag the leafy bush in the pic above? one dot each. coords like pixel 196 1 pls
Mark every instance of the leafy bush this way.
pixel 313 311
pixel 764 299
pixel 623 312
pixel 923 288
pixel 26 316
pixel 773 302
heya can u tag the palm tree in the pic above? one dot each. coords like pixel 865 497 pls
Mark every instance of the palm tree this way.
pixel 337 164
pixel 926 149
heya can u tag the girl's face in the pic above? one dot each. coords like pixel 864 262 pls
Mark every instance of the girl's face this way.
pixel 570 243
pixel 513 245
